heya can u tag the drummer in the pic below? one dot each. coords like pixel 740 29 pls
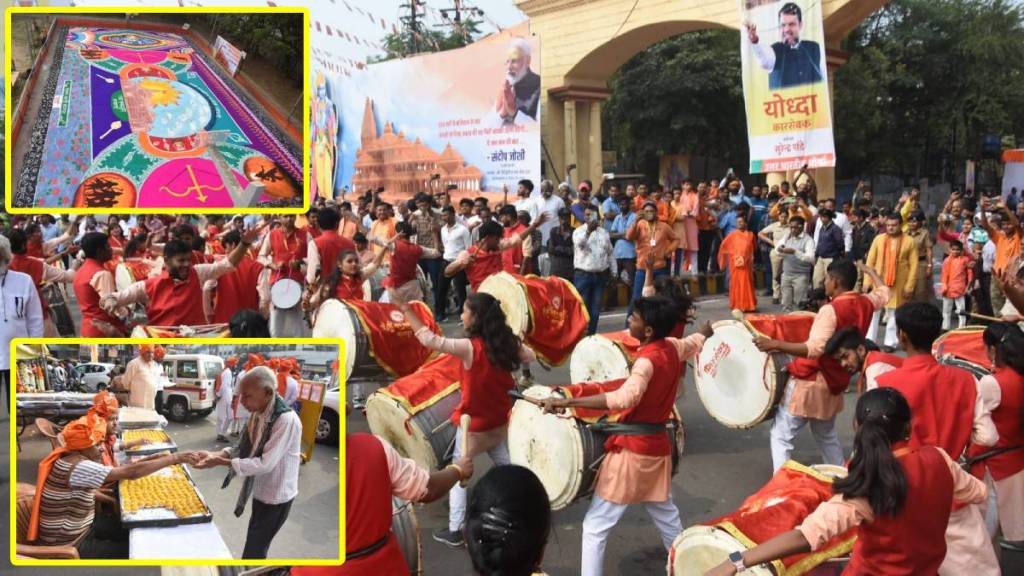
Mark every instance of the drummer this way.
pixel 489 356
pixel 346 283
pixel 239 289
pixel 284 251
pixel 897 497
pixel 856 353
pixel 950 416
pixel 405 257
pixel 41 273
pixel 325 248
pixel 175 297
pixel 485 258
pixel 93 282
pixel 637 468
pixel 814 393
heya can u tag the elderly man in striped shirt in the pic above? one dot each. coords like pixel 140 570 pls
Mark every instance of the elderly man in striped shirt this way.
pixel 268 457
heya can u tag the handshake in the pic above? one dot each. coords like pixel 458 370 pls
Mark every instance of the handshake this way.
pixel 202 458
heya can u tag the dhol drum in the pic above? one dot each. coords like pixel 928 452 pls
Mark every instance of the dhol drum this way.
pixel 602 357
pixel 739 385
pixel 414 413
pixel 563 451
pixel 791 495
pixel 60 312
pixel 509 291
pixel 202 331
pixel 335 319
pixel 964 348
pixel 285 293
pixel 421 278
pixel 406 528
pixel 124 276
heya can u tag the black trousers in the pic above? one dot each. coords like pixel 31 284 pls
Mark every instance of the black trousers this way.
pixel 705 242
pixel 461 282
pixel 5 378
pixel 107 539
pixel 264 523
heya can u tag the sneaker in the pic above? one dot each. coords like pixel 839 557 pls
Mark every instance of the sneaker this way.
pixel 1013 545
pixel 452 539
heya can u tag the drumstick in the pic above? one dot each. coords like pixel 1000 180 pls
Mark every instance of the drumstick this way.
pixel 980 316
pixel 464 447
pixel 738 315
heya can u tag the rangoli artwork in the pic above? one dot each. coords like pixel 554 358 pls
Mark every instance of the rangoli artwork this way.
pixel 140 120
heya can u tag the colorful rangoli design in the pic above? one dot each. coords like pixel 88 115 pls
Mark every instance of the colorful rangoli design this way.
pixel 141 121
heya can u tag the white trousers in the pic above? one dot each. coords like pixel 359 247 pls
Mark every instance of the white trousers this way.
pixel 288 323
pixel 947 312
pixel 786 426
pixel 968 547
pixel 890 328
pixel 224 415
pixel 603 515
pixel 457 495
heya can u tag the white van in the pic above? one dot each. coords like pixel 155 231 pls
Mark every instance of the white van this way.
pixel 190 384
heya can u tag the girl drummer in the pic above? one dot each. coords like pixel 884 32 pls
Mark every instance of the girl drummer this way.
pixel 899 499
pixel 489 356
pixel 346 283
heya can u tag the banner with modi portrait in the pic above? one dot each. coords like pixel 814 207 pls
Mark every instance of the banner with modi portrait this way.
pixel 785 85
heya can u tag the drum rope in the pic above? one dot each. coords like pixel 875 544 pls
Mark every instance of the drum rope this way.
pixel 764 372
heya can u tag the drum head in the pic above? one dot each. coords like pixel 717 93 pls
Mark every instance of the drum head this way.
pixel 735 380
pixel 335 320
pixel 512 296
pixel 388 419
pixel 700 548
pixel 367 290
pixel 407 531
pixel 285 293
pixel 123 277
pixel 549 445
pixel 597 359
pixel 139 332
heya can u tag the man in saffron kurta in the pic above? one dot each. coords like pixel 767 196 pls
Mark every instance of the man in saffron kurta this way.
pixel 175 297
pixel 737 252
pixel 637 468
pixel 894 256
pixel 949 412
pixel 141 375
pixel 814 392
pixel 1007 238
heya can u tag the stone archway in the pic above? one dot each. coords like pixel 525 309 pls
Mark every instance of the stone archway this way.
pixel 583 42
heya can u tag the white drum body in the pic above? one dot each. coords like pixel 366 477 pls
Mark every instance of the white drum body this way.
pixel 427 437
pixel 406 528
pixel 597 359
pixel 285 293
pixel 700 548
pixel 512 296
pixel 564 452
pixel 335 319
pixel 739 385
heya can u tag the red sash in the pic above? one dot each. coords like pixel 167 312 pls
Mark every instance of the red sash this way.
pixel 424 387
pixel 558 317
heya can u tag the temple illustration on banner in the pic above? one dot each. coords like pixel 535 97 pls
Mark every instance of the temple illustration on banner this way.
pixel 404 167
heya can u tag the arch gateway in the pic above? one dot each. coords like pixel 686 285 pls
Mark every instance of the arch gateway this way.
pixel 583 42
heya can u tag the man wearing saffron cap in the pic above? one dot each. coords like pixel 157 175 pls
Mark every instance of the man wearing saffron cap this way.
pixel 103 414
pixel 64 508
pixel 225 395
pixel 142 377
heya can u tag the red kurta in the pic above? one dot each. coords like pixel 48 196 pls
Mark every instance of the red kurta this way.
pixel 175 302
pixel 655 405
pixel 89 300
pixel 237 290
pixel 737 252
pixel 852 309
pixel 1009 420
pixel 512 257
pixel 368 510
pixel 350 288
pixel 329 245
pixel 883 545
pixel 403 264
pixel 484 392
pixel 34 268
pixel 941 400
pixel 287 248
pixel 486 264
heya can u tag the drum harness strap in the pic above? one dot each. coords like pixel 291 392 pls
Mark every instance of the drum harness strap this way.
pixel 613 428
pixel 966 463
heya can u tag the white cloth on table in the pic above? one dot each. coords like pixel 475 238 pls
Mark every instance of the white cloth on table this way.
pixel 188 541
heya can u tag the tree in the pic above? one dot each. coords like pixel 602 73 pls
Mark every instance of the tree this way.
pixel 409 41
pixel 271 36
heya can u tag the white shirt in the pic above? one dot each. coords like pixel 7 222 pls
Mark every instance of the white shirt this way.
pixel 454 239
pixel 988 256
pixel 22 312
pixel 593 252
pixel 291 390
pixel 226 386
pixel 276 472
pixel 528 205
pixel 549 206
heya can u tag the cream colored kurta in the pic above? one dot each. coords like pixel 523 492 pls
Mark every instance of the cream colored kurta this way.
pixel 906 266
pixel 142 379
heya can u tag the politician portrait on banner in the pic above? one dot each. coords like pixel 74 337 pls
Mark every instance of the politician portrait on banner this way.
pixel 785 85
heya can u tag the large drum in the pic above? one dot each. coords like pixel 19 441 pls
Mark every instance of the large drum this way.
pixel 547 313
pixel 964 348
pixel 203 331
pixel 793 493
pixel 335 319
pixel 407 531
pixel 414 413
pixel 739 385
pixel 602 357
pixel 563 451
pixel 285 293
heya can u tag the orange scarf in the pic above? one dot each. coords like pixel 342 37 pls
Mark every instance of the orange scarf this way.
pixel 78 435
pixel 890 259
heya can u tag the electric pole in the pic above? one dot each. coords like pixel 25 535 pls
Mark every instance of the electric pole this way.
pixel 412 26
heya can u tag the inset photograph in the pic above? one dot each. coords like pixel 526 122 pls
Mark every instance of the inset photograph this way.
pixel 180 112
pixel 134 453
